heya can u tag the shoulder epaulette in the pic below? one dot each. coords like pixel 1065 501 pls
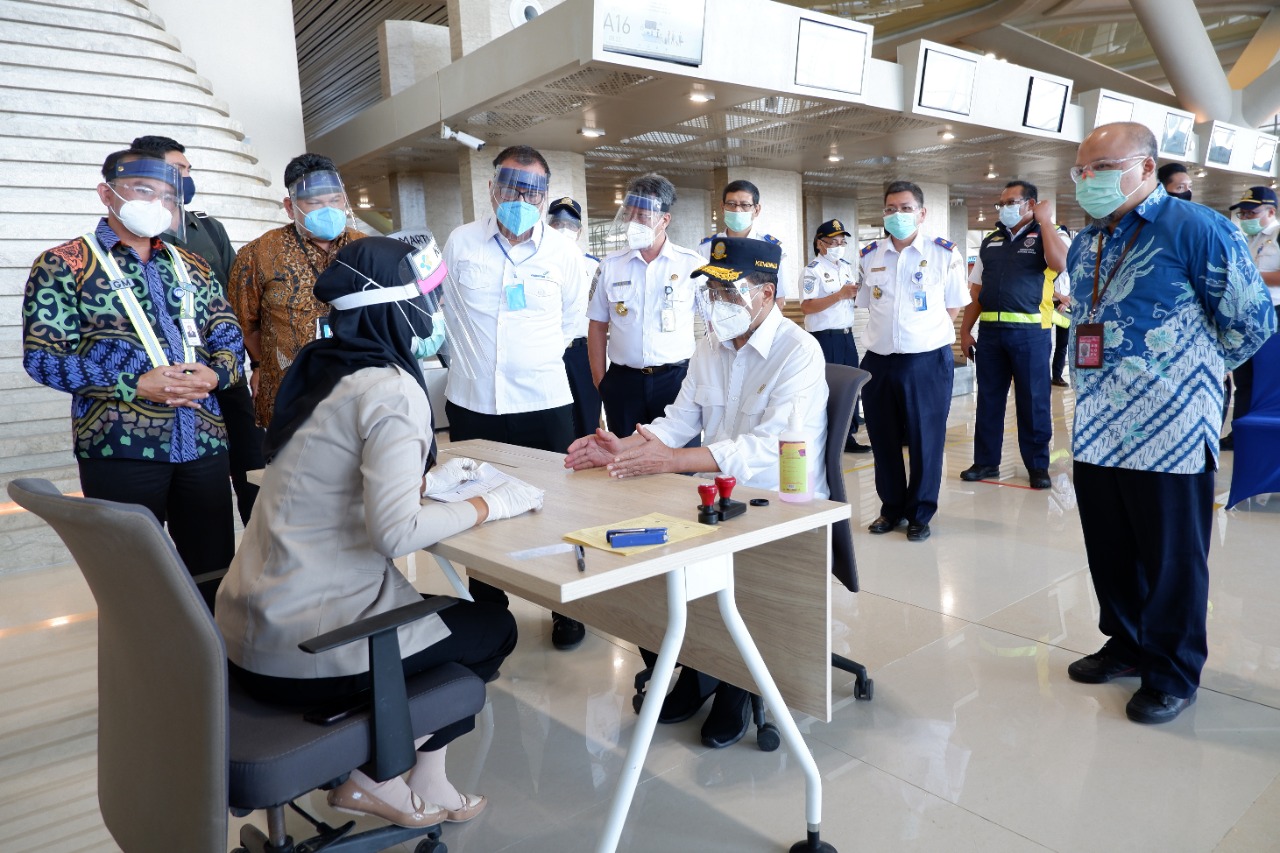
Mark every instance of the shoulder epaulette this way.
pixel 590 257
pixel 706 240
pixel 945 243
pixel 812 264
pixel 200 214
pixel 866 250
pixel 769 238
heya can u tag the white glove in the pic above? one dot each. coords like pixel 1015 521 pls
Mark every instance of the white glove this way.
pixel 450 475
pixel 511 499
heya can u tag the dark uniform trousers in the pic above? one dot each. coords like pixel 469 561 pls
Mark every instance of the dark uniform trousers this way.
pixel 640 395
pixel 244 443
pixel 908 396
pixel 547 429
pixel 1147 536
pixel 586 399
pixel 1017 352
pixel 838 347
pixel 1060 336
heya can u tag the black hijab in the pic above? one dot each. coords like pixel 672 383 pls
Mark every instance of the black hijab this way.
pixel 368 336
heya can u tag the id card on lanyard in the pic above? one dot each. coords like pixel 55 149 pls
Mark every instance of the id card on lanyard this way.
pixel 1090 335
pixel 514 293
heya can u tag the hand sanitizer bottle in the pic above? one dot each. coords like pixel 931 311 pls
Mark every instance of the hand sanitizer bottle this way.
pixel 794 475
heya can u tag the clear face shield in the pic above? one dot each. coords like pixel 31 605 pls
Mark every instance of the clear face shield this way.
pixel 146 197
pixel 519 198
pixel 638 221
pixel 320 209
pixel 727 307
pixel 565 222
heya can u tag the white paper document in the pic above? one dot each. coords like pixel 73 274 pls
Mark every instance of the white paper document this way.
pixel 488 478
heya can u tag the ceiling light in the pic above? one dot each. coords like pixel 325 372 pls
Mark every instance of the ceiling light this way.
pixel 1203 173
pixel 591 132
pixel 946 135
pixel 982 217
pixel 701 96
pixel 833 157
pixel 991 172
pixel 365 205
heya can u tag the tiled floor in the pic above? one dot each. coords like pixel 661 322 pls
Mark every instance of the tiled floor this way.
pixel 975 740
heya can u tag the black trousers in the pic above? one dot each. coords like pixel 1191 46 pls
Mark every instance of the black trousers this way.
pixel 908 397
pixel 838 347
pixel 1060 335
pixel 244 440
pixel 1016 353
pixel 1147 536
pixel 548 429
pixel 193 499
pixel 586 399
pixel 480 638
pixel 633 397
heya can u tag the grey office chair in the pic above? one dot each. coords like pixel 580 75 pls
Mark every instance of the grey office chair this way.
pixel 180 745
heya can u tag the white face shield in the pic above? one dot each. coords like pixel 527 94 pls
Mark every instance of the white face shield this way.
pixel 639 221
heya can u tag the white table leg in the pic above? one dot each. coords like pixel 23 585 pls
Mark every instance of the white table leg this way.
pixel 773 700
pixel 451 575
pixel 672 640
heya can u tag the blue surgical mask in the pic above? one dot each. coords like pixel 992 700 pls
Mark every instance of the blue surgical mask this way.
pixel 1100 194
pixel 737 220
pixel 188 190
pixel 1010 215
pixel 325 223
pixel 518 216
pixel 1251 227
pixel 900 225
pixel 427 347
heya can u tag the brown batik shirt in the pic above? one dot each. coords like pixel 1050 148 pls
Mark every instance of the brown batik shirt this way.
pixel 271 291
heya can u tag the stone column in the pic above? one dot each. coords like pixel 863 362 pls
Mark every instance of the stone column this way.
pixel 408 200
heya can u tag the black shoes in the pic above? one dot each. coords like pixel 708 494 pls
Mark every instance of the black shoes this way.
pixel 917 532
pixel 852 445
pixel 1059 382
pixel 980 472
pixel 1040 479
pixel 1101 667
pixel 1227 442
pixel 686 699
pixel 883 525
pixel 566 633
pixel 1152 706
pixel 729 719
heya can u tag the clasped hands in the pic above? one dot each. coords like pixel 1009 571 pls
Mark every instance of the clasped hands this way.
pixel 638 454
pixel 178 385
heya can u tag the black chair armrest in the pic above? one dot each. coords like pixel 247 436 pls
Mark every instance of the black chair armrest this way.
pixel 377 624
pixel 391 746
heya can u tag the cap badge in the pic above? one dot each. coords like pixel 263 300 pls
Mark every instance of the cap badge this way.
pixel 718 251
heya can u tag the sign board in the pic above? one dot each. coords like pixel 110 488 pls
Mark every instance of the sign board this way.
pixel 666 30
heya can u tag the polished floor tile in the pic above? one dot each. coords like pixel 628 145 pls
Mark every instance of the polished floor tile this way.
pixel 975 739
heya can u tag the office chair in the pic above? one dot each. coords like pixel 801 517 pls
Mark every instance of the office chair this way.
pixel 180 745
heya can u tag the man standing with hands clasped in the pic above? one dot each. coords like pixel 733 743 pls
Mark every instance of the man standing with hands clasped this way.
pixel 1165 298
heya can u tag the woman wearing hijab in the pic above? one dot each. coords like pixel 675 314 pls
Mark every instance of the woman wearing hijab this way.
pixel 341 497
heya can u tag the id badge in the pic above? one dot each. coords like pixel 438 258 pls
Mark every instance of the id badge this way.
pixel 323 329
pixel 191 332
pixel 515 296
pixel 668 320
pixel 919 300
pixel 1089 345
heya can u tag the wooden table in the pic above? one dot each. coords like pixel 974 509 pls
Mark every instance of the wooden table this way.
pixel 768 571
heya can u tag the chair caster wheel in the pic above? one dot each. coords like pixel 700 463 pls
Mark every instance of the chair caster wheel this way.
pixel 637 702
pixel 768 738
pixel 431 845
pixel 864 689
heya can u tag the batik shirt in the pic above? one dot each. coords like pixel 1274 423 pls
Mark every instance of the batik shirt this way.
pixel 1186 306
pixel 272 284
pixel 77 338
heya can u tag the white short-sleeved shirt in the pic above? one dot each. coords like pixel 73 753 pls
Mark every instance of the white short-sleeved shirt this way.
pixel 634 297
pixel 590 263
pixel 741 399
pixel 507 357
pixel 823 277
pixel 786 288
pixel 1266 254
pixel 907 295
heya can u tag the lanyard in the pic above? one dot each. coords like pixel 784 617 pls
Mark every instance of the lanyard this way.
pixel 306 256
pixel 133 309
pixel 1097 268
pixel 501 248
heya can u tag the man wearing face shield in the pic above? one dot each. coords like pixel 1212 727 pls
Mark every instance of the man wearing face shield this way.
pixel 513 300
pixel 642 311
pixel 273 278
pixel 140 333
pixel 565 215
pixel 739 393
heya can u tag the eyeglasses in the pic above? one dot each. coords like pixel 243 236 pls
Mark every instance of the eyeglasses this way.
pixel 907 209
pixel 1108 165
pixel 510 193
pixel 833 241
pixel 739 206
pixel 142 192
pixel 1003 204
pixel 1251 214
pixel 737 292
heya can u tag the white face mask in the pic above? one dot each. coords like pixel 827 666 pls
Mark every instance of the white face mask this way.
pixel 144 218
pixel 640 236
pixel 835 253
pixel 729 320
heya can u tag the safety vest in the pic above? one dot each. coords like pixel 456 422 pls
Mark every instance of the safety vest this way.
pixel 1013 277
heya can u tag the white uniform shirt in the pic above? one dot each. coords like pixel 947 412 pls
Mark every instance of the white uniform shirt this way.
pixel 636 330
pixel 741 401
pixel 895 286
pixel 823 277
pixel 785 287
pixel 590 263
pixel 506 359
pixel 1266 254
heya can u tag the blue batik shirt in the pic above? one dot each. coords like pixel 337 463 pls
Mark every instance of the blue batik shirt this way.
pixel 1186 306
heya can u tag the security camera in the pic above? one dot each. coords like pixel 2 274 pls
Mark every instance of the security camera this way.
pixel 523 11
pixel 472 142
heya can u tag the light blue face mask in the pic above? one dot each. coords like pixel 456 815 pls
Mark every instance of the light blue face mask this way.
pixel 325 223
pixel 518 216
pixel 900 225
pixel 1251 227
pixel 737 220
pixel 1099 194
pixel 424 348
pixel 1010 215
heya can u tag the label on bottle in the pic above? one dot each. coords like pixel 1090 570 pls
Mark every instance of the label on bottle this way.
pixel 793 468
